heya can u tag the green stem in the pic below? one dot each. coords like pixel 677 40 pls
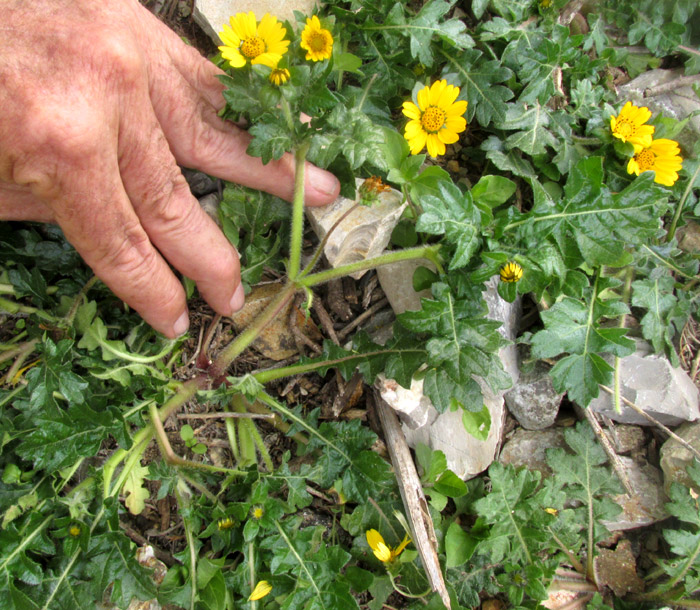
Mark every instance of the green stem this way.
pixel 70 316
pixel 299 369
pixel 297 212
pixel 626 291
pixel 429 252
pixel 183 503
pixel 679 208
pixel 13 307
pixel 298 558
pixel 242 341
pixel 251 572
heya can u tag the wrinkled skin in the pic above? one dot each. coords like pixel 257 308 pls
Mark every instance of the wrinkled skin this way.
pixel 100 102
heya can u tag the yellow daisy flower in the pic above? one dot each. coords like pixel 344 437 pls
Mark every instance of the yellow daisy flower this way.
pixel 381 550
pixel 629 126
pixel 511 272
pixel 258 512
pixel 279 76
pixel 316 41
pixel 436 120
pixel 661 156
pixel 260 591
pixel 246 39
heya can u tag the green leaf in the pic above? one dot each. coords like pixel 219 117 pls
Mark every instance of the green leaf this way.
pixel 454 215
pixel 573 327
pixel 657 297
pixel 450 485
pixel 493 190
pixel 477 423
pixel 532 136
pixel 270 140
pixel 459 545
pixel 479 80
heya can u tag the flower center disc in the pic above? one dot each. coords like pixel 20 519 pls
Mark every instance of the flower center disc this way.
pixel 317 42
pixel 433 119
pixel 624 128
pixel 645 160
pixel 252 47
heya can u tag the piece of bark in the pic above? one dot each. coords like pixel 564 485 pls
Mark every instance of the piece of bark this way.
pixel 414 501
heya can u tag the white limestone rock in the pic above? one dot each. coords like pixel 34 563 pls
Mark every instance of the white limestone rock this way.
pixel 211 15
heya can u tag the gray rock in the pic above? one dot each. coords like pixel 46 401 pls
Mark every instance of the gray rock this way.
pixel 397 283
pixel 211 15
pixel 210 204
pixel 675 458
pixel 677 103
pixel 200 183
pixel 466 455
pixel 665 392
pixel 626 438
pixel 647 504
pixel 528 448
pixel 533 401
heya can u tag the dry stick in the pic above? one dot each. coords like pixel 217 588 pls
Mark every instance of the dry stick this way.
pixel 413 498
pixel 225 415
pixel 657 423
pixel 325 319
pixel 361 318
pixel 609 450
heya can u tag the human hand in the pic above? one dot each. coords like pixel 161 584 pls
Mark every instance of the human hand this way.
pixel 100 102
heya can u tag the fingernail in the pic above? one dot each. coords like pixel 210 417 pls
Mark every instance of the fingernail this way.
pixel 183 323
pixel 238 299
pixel 322 181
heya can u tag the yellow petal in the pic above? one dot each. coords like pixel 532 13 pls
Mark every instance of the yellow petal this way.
pixel 456 124
pixel 447 136
pixel 383 552
pixel 374 538
pixel 423 98
pixel 233 57
pixel 402 546
pixel 436 91
pixel 435 147
pixel 260 591
pixel 632 167
pixel 457 109
pixel 229 37
pixel 267 59
pixel 417 142
pixel 448 96
pixel 411 110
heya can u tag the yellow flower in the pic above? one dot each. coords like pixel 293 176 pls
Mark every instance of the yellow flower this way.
pixel 260 591
pixel 225 524
pixel 436 120
pixel 381 550
pixel 279 76
pixel 316 41
pixel 629 125
pixel 258 512
pixel 661 156
pixel 74 530
pixel 511 272
pixel 261 43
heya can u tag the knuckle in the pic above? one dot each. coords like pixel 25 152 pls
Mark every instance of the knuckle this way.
pixel 119 58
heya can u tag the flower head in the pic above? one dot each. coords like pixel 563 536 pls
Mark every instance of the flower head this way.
pixel 279 76
pixel 381 550
pixel 661 156
pixel 436 120
pixel 74 530
pixel 629 126
pixel 316 41
pixel 248 40
pixel 511 272
pixel 225 524
pixel 258 512
pixel 370 189
pixel 260 591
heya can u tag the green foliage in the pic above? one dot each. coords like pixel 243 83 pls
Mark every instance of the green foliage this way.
pixel 542 182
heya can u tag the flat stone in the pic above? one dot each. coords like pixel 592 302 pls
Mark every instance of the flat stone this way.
pixel 466 455
pixel 364 233
pixel 618 569
pixel 211 15
pixel 675 458
pixel 677 103
pixel 647 504
pixel 529 448
pixel 626 438
pixel 396 281
pixel 665 392
pixel 533 401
